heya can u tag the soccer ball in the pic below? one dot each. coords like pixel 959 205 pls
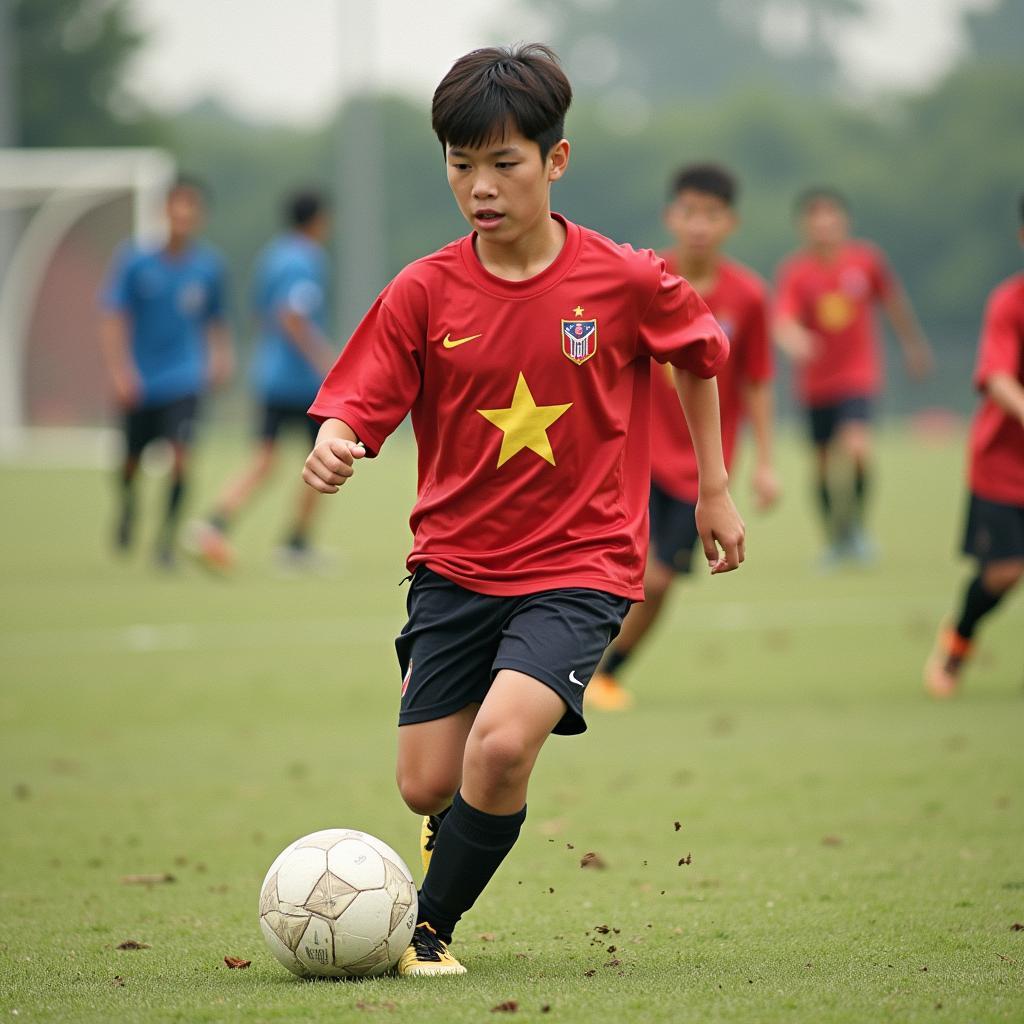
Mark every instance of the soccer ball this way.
pixel 338 903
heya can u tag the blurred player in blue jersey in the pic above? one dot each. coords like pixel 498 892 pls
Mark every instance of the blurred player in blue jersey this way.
pixel 165 343
pixel 294 355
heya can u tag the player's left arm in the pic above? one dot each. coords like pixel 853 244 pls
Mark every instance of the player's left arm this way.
pixel 718 522
pixel 917 353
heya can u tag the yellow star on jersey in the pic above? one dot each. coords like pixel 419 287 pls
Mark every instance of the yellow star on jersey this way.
pixel 525 424
pixel 578 312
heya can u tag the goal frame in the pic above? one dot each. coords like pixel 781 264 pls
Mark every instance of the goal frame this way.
pixel 61 186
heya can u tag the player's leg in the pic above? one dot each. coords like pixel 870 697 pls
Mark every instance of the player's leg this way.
pixel 296 550
pixel 138 431
pixel 208 538
pixel 673 526
pixel 823 422
pixel 178 422
pixel 854 440
pixel 549 641
pixel 995 537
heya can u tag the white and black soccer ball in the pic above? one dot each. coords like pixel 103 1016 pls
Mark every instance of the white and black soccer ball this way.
pixel 338 903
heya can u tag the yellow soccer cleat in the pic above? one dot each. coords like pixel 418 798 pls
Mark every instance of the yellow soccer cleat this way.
pixel 428 836
pixel 605 693
pixel 427 955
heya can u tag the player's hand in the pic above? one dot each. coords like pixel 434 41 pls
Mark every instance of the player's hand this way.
pixel 920 361
pixel 767 489
pixel 719 524
pixel 127 388
pixel 330 464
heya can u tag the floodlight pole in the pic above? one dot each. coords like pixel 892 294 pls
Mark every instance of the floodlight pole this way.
pixel 359 157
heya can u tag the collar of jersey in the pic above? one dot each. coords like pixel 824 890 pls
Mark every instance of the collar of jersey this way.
pixel 532 285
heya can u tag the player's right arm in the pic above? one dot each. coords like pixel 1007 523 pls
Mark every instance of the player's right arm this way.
pixel 114 341
pixel 370 388
pixel 331 462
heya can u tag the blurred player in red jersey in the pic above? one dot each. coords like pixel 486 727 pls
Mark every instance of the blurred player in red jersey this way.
pixel 825 322
pixel 701 215
pixel 524 353
pixel 995 516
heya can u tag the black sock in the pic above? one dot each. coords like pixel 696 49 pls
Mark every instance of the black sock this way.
pixel 613 660
pixel 297 539
pixel 860 492
pixel 470 847
pixel 825 505
pixel 978 602
pixel 174 498
pixel 219 521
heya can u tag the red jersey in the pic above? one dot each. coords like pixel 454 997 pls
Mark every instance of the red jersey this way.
pixel 739 303
pixel 530 404
pixel 997 438
pixel 835 302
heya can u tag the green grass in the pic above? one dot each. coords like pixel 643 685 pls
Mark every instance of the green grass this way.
pixel 856 850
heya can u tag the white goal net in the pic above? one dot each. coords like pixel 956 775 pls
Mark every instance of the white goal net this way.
pixel 62 214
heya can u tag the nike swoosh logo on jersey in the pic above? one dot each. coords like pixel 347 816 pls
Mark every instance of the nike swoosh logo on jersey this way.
pixel 449 343
pixel 573 679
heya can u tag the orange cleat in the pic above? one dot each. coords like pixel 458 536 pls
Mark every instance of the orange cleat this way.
pixel 606 693
pixel 208 545
pixel 944 664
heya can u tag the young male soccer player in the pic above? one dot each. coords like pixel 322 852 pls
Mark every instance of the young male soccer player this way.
pixel 995 518
pixel 290 300
pixel 165 342
pixel 701 215
pixel 524 353
pixel 825 323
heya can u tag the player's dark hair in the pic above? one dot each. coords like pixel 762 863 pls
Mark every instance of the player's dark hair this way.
pixel 710 179
pixel 189 183
pixel 492 91
pixel 303 207
pixel 820 193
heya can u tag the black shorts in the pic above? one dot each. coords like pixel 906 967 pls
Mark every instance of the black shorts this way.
pixel 825 420
pixel 173 421
pixel 275 415
pixel 994 531
pixel 456 641
pixel 673 530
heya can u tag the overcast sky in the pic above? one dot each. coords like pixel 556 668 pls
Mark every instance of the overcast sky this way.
pixel 290 61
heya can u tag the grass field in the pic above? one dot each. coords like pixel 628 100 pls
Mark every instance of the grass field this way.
pixel 856 850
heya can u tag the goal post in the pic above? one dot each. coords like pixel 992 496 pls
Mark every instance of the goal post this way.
pixel 62 212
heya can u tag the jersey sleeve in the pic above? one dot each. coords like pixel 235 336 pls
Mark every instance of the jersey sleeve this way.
pixel 678 328
pixel 116 296
pixel 375 380
pixel 757 364
pixel 1001 340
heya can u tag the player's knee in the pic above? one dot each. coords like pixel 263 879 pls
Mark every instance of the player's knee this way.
pixel 500 753
pixel 857 443
pixel 1000 577
pixel 424 794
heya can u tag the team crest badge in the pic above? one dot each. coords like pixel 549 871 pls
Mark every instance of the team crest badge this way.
pixel 579 340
